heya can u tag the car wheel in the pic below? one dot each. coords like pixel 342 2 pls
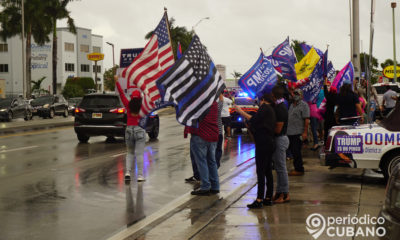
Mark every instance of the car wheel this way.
pixel 156 129
pixel 51 113
pixel 10 116
pixel 65 112
pixel 28 115
pixel 83 138
pixel 389 162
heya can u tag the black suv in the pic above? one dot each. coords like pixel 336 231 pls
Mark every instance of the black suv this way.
pixel 101 114
pixel 14 108
pixel 49 106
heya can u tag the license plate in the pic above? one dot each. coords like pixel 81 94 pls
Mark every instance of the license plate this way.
pixel 97 115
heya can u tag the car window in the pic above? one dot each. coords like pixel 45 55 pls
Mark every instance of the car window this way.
pixel 42 100
pixel 5 102
pixel 244 101
pixel 100 101
pixel 382 89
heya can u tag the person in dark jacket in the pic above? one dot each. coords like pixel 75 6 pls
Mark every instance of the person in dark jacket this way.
pixel 262 126
pixel 329 115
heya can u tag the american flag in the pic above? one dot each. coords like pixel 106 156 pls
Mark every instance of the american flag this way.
pixel 155 59
pixel 192 84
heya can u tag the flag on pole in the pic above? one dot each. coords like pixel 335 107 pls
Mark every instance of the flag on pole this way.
pixel 260 78
pixel 179 51
pixel 325 63
pixel 305 48
pixel 275 64
pixel 312 88
pixel 192 84
pixel 155 59
pixel 284 54
pixel 346 74
pixel 306 66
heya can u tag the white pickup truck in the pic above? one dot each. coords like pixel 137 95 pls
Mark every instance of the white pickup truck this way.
pixel 373 146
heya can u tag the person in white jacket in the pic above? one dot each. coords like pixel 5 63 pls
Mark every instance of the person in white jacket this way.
pixel 226 117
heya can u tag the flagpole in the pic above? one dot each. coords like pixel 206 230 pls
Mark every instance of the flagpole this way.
pixel 169 31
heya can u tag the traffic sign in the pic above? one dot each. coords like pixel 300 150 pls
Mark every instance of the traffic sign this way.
pixel 95 56
pixel 389 71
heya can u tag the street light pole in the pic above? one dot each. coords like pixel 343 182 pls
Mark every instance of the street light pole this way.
pixel 24 84
pixel 199 22
pixel 393 4
pixel 112 45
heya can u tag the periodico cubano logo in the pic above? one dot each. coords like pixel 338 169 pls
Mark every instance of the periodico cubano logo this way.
pixel 347 226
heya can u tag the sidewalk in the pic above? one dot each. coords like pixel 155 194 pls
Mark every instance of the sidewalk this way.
pixel 336 192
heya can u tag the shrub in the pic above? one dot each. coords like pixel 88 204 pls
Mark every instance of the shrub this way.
pixel 72 90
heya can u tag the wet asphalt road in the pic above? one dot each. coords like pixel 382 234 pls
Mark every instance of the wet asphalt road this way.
pixel 53 187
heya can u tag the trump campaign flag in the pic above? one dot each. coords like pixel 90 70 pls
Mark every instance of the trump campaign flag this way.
pixel 275 64
pixel 312 88
pixel 192 84
pixel 284 54
pixel 155 59
pixel 306 66
pixel 346 74
pixel 305 48
pixel 260 78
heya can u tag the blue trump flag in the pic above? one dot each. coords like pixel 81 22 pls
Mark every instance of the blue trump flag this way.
pixel 260 78
pixel 312 88
pixel 305 48
pixel 284 54
pixel 325 63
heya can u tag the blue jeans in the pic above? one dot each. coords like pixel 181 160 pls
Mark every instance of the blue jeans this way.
pixel 135 139
pixel 279 158
pixel 204 155
pixel 218 150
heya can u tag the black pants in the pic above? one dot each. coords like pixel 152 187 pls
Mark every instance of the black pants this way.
pixel 328 124
pixel 264 151
pixel 218 150
pixel 295 145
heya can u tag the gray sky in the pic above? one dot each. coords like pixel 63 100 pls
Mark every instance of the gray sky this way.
pixel 237 28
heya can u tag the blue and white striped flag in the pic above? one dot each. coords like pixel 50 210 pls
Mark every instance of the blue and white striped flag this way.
pixel 192 84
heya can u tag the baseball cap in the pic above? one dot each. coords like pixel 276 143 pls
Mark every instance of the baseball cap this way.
pixel 135 94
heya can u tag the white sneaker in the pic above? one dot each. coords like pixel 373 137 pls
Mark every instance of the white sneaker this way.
pixel 127 176
pixel 140 178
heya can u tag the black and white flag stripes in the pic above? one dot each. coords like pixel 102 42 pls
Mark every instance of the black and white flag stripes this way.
pixel 192 84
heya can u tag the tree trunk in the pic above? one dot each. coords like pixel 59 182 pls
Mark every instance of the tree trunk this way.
pixel 28 62
pixel 54 62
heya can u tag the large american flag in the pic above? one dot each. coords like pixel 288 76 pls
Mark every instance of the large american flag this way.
pixel 192 84
pixel 155 59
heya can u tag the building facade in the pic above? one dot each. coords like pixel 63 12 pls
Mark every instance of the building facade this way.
pixel 72 50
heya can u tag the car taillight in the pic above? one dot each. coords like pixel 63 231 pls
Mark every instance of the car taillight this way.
pixel 79 110
pixel 118 110
pixel 328 143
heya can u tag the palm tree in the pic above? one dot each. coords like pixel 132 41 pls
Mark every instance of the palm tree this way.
pixel 57 10
pixel 36 86
pixel 36 26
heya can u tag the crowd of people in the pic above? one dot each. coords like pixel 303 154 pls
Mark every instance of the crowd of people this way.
pixel 279 129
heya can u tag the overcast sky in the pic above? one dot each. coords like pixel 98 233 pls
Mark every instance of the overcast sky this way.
pixel 237 28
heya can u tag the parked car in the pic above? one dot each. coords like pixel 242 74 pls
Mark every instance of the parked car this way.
pixel 246 104
pixel 72 103
pixel 11 108
pixel 391 208
pixel 380 90
pixel 373 146
pixel 103 114
pixel 49 106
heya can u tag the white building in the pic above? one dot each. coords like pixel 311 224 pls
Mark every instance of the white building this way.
pixel 72 50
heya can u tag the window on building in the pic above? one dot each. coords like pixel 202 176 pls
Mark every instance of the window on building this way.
pixel 84 48
pixel 4 68
pixel 98 68
pixel 3 47
pixel 69 47
pixel 85 68
pixel 69 67
pixel 97 49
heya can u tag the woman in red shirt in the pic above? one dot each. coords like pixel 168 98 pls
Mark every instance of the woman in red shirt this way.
pixel 135 136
